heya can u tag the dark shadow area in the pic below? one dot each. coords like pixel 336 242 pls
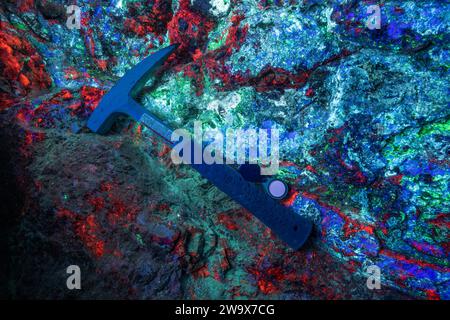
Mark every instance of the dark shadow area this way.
pixel 11 204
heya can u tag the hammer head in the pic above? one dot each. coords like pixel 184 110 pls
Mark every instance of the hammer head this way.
pixel 120 99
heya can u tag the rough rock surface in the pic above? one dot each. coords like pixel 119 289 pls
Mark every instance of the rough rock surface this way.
pixel 364 116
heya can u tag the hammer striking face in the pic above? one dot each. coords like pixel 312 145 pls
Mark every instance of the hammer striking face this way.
pixel 120 100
